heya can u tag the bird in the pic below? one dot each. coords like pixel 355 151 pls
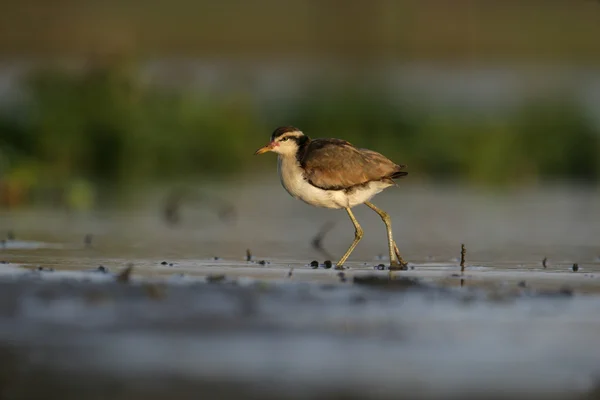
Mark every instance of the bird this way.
pixel 333 173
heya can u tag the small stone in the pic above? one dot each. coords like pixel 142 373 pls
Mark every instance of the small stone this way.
pixel 327 264
pixel 170 264
pixel 575 267
pixel 314 264
pixel 164 263
pixel 380 267
pixel 102 269
pixel 45 269
pixel 262 262
pixel 522 284
pixel 216 258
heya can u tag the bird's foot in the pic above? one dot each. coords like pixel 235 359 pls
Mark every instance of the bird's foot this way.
pixel 340 267
pixel 398 265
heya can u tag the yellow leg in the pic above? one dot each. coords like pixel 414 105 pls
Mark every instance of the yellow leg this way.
pixel 395 257
pixel 358 234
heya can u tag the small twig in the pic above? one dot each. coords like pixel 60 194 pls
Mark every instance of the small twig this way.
pixel 317 241
pixel 87 240
pixel 463 252
pixel 125 275
pixel 544 262
pixel 171 209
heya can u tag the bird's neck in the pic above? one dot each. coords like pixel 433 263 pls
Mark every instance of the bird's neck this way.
pixel 303 143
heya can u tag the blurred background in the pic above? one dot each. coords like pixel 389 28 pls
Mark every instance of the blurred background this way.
pixel 101 99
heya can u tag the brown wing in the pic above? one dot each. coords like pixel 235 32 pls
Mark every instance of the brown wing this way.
pixel 334 164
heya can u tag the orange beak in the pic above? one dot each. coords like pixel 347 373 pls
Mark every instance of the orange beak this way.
pixel 264 149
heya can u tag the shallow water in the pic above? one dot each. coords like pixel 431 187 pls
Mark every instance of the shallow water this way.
pixel 279 329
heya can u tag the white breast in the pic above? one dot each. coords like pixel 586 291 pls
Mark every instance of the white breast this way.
pixel 292 179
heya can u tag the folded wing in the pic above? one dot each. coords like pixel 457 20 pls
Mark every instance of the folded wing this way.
pixel 334 164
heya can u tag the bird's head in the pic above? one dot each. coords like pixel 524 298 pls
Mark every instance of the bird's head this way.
pixel 285 140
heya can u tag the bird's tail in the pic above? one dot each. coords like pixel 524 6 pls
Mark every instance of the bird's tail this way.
pixel 399 173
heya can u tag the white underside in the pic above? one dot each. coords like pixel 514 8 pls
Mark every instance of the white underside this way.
pixel 294 183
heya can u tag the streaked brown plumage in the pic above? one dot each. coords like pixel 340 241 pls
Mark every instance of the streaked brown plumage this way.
pixel 333 173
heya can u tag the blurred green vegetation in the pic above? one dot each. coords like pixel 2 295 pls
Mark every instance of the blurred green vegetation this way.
pixel 104 130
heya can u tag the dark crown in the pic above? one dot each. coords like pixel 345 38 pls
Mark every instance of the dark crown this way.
pixel 282 130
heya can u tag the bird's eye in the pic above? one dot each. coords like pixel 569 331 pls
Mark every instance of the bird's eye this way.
pixel 284 139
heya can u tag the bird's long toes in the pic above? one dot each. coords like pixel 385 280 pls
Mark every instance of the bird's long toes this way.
pixel 398 266
pixel 340 267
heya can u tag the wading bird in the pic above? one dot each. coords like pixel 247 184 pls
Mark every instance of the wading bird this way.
pixel 332 173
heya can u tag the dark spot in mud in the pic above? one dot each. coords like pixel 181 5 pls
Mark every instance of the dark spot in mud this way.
pixel 380 267
pixel 386 282
pixel 575 267
pixel 164 263
pixel 565 291
pixel 102 269
pixel 4 262
pixel 327 264
pixel 10 235
pixel 545 262
pixel 522 284
pixel 248 255
pixel 262 262
pixel 216 258
pixel 328 287
pixel 45 269
pixel 358 299
pixel 215 278
pixel 314 264
pixel 290 272
pixel 342 276
pixel 87 240
pixel 170 264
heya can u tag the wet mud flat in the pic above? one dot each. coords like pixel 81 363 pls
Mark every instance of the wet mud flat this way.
pixel 361 334
pixel 198 317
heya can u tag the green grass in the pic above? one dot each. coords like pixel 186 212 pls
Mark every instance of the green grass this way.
pixel 105 127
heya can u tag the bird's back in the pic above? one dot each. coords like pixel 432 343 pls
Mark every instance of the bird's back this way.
pixel 334 164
